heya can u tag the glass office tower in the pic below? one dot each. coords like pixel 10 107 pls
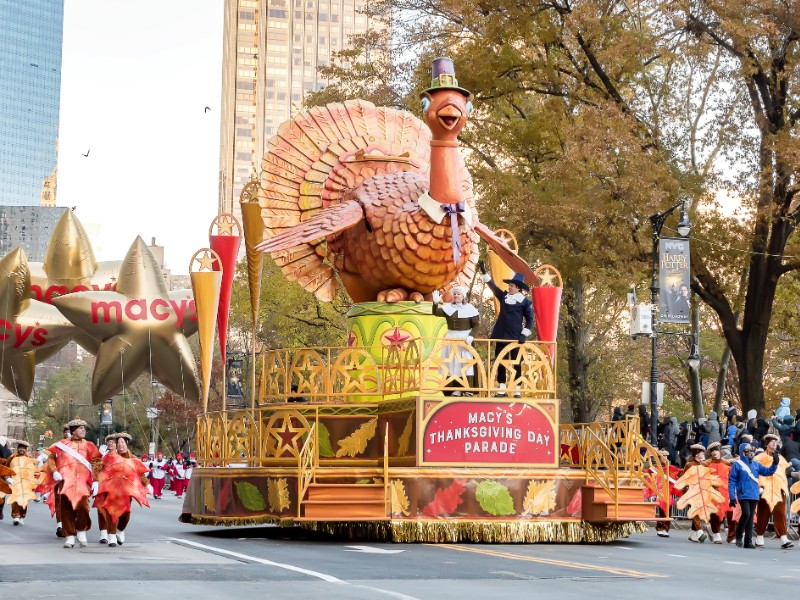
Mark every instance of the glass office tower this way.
pixel 30 85
pixel 271 52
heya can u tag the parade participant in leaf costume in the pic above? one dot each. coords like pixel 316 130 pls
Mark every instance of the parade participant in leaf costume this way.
pixel 73 466
pixel 111 446
pixel 775 491
pixel 122 479
pixel 672 475
pixel 23 482
pixel 722 468
pixel 743 487
pixel 698 456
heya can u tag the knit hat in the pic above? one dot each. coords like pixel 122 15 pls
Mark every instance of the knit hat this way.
pixel 714 446
pixel 752 413
pixel 459 289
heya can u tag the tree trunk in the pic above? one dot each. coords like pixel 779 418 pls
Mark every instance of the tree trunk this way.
pixel 722 376
pixel 576 334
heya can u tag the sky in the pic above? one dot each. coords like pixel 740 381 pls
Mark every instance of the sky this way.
pixel 136 78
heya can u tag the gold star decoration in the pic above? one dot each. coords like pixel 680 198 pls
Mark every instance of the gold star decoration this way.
pixel 137 326
pixel 206 261
pixel 287 435
pixel 30 330
pixel 225 225
pixel 548 276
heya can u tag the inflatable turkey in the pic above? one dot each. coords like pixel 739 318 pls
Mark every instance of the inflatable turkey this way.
pixel 375 199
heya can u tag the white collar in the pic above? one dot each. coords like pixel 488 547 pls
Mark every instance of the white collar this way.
pixel 434 209
pixel 515 298
pixel 465 311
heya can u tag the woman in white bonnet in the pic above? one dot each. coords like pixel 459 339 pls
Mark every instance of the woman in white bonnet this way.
pixel 462 317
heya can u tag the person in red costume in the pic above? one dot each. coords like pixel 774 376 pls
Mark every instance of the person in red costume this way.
pixel 122 479
pixel 722 469
pixel 158 472
pixel 657 481
pixel 73 465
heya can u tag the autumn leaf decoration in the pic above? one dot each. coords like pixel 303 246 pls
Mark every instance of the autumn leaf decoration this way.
pixel 495 499
pixel 208 495
pixel 701 496
pixel 399 498
pixel 250 496
pixel 356 443
pixel 446 500
pixel 405 437
pixel 540 498
pixel 278 494
pixel 795 507
pixel 775 486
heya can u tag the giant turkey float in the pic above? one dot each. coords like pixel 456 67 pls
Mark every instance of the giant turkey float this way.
pixel 377 438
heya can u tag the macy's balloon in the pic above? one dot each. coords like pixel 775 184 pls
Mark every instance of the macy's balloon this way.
pixel 29 330
pixel 137 326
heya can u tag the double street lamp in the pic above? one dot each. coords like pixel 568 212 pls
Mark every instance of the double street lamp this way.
pixel 684 227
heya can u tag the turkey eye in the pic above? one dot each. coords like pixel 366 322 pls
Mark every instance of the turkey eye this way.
pixel 426 104
pixel 469 108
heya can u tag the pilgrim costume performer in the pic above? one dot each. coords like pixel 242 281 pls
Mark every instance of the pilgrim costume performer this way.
pixel 516 309
pixel 775 491
pixel 23 483
pixel 111 446
pixel 73 466
pixel 462 317
pixel 122 479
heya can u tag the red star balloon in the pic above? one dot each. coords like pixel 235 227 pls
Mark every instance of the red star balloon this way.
pixel 138 326
pixel 29 330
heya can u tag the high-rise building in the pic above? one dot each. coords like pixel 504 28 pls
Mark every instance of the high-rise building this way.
pixel 29 227
pixel 271 52
pixel 30 88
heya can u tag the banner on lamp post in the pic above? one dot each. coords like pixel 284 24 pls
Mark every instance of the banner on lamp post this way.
pixel 234 373
pixel 674 279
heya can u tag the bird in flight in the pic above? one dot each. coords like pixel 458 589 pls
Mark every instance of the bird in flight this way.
pixel 208 108
pixel 87 153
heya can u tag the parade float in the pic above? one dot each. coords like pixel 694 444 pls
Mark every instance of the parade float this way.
pixel 378 438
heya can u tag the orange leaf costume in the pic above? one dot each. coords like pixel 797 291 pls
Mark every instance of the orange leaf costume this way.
pixel 5 472
pixel 701 497
pixel 775 487
pixel 722 470
pixel 657 484
pixel 120 481
pixel 77 476
pixel 24 481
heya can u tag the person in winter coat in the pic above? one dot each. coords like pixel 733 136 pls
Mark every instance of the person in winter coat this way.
pixel 783 426
pixel 743 488
pixel 712 428
pixel 644 421
pixel 791 450
pixel 671 438
pixel 762 429
pixel 617 416
pixel 784 410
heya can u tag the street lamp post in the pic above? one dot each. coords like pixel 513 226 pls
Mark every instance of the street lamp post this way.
pixel 657 222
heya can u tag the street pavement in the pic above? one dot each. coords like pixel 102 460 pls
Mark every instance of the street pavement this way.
pixel 166 558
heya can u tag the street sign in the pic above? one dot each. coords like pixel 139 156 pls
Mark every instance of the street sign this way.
pixel 152 413
pixel 646 393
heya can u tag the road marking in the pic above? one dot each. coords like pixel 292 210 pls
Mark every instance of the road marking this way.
pixel 733 562
pixel 371 550
pixel 623 548
pixel 309 572
pixel 677 555
pixel 549 561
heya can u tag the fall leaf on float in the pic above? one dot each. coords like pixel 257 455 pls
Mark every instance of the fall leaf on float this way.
pixel 250 496
pixel 324 437
pixel 495 499
pixel 356 443
pixel 446 500
pixel 399 498
pixel 795 489
pixel 224 498
pixel 776 486
pixel 701 497
pixel 278 493
pixel 575 505
pixel 540 498
pixel 405 438
pixel 208 494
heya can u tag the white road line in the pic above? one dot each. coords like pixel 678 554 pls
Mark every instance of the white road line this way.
pixel 733 562
pixel 309 572
pixel 623 548
pixel 677 555
pixel 371 550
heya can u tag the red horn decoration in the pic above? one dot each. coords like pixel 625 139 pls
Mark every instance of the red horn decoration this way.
pixel 546 304
pixel 226 244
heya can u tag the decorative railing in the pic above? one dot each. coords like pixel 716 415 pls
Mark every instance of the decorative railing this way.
pixel 306 466
pixel 416 365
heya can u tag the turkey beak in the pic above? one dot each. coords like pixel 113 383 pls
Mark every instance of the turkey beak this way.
pixel 448 116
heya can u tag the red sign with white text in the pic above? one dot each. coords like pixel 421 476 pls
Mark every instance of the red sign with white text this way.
pixel 489 433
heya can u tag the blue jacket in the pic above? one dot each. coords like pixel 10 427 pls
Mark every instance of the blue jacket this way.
pixel 744 485
pixel 783 410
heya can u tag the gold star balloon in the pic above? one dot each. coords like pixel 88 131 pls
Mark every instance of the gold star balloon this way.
pixel 137 326
pixel 29 330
